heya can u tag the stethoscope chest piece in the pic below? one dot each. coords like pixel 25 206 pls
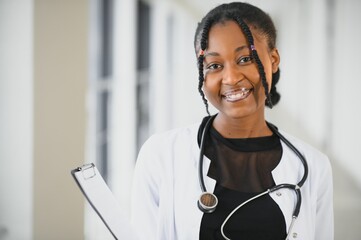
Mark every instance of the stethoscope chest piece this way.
pixel 207 202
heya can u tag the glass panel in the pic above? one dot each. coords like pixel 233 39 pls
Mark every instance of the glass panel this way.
pixel 143 58
pixel 106 39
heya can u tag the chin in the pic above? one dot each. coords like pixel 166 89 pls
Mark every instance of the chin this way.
pixel 239 112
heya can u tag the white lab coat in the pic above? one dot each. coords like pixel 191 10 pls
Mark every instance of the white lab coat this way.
pixel 166 188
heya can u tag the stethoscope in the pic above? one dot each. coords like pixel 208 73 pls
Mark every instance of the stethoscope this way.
pixel 208 201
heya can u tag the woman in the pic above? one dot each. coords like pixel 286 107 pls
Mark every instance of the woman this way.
pixel 254 181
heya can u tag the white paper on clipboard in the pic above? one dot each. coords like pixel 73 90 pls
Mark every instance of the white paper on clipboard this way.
pixel 102 200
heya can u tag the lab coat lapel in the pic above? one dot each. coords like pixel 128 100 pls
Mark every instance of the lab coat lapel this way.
pixel 209 182
pixel 287 171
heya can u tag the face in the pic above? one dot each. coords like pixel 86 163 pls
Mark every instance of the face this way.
pixel 232 81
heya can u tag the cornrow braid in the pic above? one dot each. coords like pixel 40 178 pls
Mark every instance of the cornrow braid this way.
pixel 275 96
pixel 201 80
pixel 203 43
pixel 248 34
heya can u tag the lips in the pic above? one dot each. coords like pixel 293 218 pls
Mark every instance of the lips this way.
pixel 235 95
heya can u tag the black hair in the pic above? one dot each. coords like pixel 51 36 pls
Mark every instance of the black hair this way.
pixel 242 14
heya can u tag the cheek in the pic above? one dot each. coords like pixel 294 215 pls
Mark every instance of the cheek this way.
pixel 211 86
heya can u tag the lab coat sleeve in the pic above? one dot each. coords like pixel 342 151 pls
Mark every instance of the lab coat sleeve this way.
pixel 145 193
pixel 324 216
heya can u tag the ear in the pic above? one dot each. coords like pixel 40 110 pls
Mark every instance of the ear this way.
pixel 275 59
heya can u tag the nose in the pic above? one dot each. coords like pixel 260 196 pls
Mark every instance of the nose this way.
pixel 232 75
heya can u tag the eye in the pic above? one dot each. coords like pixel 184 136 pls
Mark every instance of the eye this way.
pixel 245 60
pixel 213 66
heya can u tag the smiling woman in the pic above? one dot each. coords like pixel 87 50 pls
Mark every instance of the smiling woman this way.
pixel 255 174
pixel 230 67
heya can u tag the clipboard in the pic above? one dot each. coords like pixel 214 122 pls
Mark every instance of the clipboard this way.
pixel 102 200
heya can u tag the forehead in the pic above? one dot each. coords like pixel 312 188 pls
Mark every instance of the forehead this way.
pixel 226 33
pixel 229 33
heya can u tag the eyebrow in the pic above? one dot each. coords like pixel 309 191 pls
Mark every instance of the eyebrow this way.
pixel 215 54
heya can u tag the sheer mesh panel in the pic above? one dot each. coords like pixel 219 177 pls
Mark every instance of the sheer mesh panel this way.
pixel 243 165
pixel 242 168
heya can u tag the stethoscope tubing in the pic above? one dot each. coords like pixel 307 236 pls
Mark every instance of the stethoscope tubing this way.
pixel 295 150
pixel 201 153
pixel 295 187
pixel 236 209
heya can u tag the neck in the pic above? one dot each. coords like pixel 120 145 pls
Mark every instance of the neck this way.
pixel 245 127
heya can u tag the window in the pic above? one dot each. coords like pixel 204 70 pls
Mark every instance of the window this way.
pixel 143 58
pixel 101 74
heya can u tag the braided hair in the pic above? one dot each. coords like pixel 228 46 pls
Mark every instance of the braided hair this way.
pixel 241 13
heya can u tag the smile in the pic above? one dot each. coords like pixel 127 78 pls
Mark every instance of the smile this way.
pixel 236 95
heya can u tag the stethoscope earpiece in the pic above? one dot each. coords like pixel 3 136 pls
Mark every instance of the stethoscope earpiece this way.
pixel 207 202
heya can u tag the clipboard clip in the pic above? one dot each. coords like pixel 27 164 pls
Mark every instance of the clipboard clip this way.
pixel 88 170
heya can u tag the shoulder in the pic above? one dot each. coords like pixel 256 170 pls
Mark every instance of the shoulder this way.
pixel 316 159
pixel 303 146
pixel 161 150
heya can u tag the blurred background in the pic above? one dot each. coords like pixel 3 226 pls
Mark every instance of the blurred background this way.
pixel 88 81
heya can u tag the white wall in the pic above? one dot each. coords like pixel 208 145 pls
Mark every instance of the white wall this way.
pixel 345 97
pixel 16 113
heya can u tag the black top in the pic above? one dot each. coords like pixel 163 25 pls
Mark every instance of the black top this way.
pixel 242 169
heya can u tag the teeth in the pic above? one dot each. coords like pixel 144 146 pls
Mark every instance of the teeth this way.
pixel 237 95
